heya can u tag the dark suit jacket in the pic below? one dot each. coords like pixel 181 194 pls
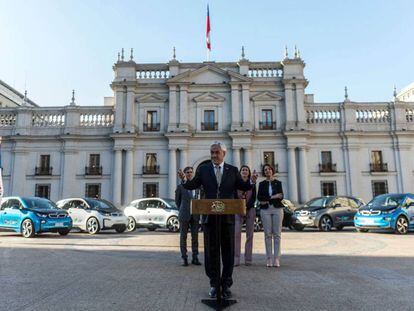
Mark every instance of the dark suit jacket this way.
pixel 183 202
pixel 263 193
pixel 231 181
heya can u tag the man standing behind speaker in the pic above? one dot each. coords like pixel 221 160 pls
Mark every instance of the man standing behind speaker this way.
pixel 219 181
pixel 183 201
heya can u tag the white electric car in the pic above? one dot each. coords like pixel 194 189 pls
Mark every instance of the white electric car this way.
pixel 94 215
pixel 152 213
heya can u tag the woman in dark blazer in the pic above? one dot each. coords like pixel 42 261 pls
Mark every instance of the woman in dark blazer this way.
pixel 270 196
pixel 250 197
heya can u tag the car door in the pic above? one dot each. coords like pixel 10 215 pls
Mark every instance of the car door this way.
pixel 339 210
pixel 76 210
pixel 409 205
pixel 3 205
pixel 140 212
pixel 162 213
pixel 12 214
pixel 153 212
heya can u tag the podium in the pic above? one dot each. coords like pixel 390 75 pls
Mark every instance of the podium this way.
pixel 218 207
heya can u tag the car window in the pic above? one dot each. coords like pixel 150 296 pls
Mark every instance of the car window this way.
pixel 152 203
pixel 78 204
pixel 353 203
pixel 408 201
pixel 4 204
pixel 341 201
pixel 14 202
pixel 141 205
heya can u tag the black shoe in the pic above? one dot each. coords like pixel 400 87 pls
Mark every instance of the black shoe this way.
pixel 226 293
pixel 185 262
pixel 213 292
pixel 196 262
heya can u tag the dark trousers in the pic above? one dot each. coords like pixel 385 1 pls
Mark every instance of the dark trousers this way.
pixel 193 224
pixel 211 254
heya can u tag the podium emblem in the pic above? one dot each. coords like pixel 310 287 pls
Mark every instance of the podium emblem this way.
pixel 218 207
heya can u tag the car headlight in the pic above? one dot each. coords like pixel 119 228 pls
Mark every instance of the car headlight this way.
pixel 41 215
pixel 313 213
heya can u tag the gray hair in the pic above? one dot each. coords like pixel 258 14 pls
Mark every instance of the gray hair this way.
pixel 221 145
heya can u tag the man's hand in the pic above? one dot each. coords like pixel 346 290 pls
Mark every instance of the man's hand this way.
pixel 181 175
pixel 277 196
pixel 254 176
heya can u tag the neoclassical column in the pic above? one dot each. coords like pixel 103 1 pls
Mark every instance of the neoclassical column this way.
pixel 354 169
pixel 236 157
pixel 235 103
pixel 303 171
pixel 19 173
pixel 246 105
pixel 130 112
pixel 172 172
pixel 248 157
pixel 292 180
pixel 172 122
pixel 117 178
pixel 183 158
pixel 129 176
pixel 183 105
pixel 69 185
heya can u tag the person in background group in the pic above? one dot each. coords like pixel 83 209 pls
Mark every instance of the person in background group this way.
pixel 270 196
pixel 183 201
pixel 250 197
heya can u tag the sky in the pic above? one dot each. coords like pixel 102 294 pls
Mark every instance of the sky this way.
pixel 50 47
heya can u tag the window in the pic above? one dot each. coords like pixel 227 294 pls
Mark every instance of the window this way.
pixel 151 166
pixel 45 161
pixel 93 190
pixel 328 188
pixel 379 187
pixel 151 123
pixel 150 190
pixel 376 157
pixel 267 120
pixel 44 168
pixel 94 167
pixel 327 165
pixel 377 164
pixel 209 123
pixel 269 158
pixel 43 191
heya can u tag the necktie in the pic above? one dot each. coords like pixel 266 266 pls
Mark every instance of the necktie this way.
pixel 218 175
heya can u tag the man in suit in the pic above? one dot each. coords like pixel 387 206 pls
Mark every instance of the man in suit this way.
pixel 219 180
pixel 183 200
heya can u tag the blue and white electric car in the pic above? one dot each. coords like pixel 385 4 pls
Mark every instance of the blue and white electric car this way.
pixel 32 215
pixel 387 211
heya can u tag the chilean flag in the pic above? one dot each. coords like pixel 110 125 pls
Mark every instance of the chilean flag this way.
pixel 208 30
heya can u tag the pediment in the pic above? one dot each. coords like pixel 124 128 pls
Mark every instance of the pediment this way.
pixel 208 74
pixel 209 97
pixel 266 96
pixel 151 98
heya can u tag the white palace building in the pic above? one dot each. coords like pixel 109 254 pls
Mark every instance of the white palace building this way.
pixel 164 116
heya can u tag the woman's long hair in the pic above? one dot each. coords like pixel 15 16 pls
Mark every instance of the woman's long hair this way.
pixel 245 166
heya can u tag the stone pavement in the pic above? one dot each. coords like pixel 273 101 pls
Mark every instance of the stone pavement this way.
pixel 141 271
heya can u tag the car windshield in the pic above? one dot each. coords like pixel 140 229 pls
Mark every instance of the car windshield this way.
pixel 319 202
pixel 171 203
pixel 100 204
pixel 387 200
pixel 39 203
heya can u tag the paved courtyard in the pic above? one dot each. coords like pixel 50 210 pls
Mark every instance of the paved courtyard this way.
pixel 141 271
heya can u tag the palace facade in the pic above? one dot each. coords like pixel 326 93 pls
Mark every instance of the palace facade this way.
pixel 164 116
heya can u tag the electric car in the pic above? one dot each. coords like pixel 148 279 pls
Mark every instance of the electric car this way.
pixel 94 215
pixel 152 213
pixel 33 215
pixel 387 211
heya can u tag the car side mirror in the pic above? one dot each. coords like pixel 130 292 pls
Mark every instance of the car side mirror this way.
pixel 15 207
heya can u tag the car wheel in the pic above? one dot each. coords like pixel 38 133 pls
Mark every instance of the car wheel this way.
pixel 27 229
pixel 258 226
pixel 325 224
pixel 151 228
pixel 63 231
pixel 132 224
pixel 401 225
pixel 339 228
pixel 92 225
pixel 173 224
pixel 361 230
pixel 120 229
pixel 298 227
